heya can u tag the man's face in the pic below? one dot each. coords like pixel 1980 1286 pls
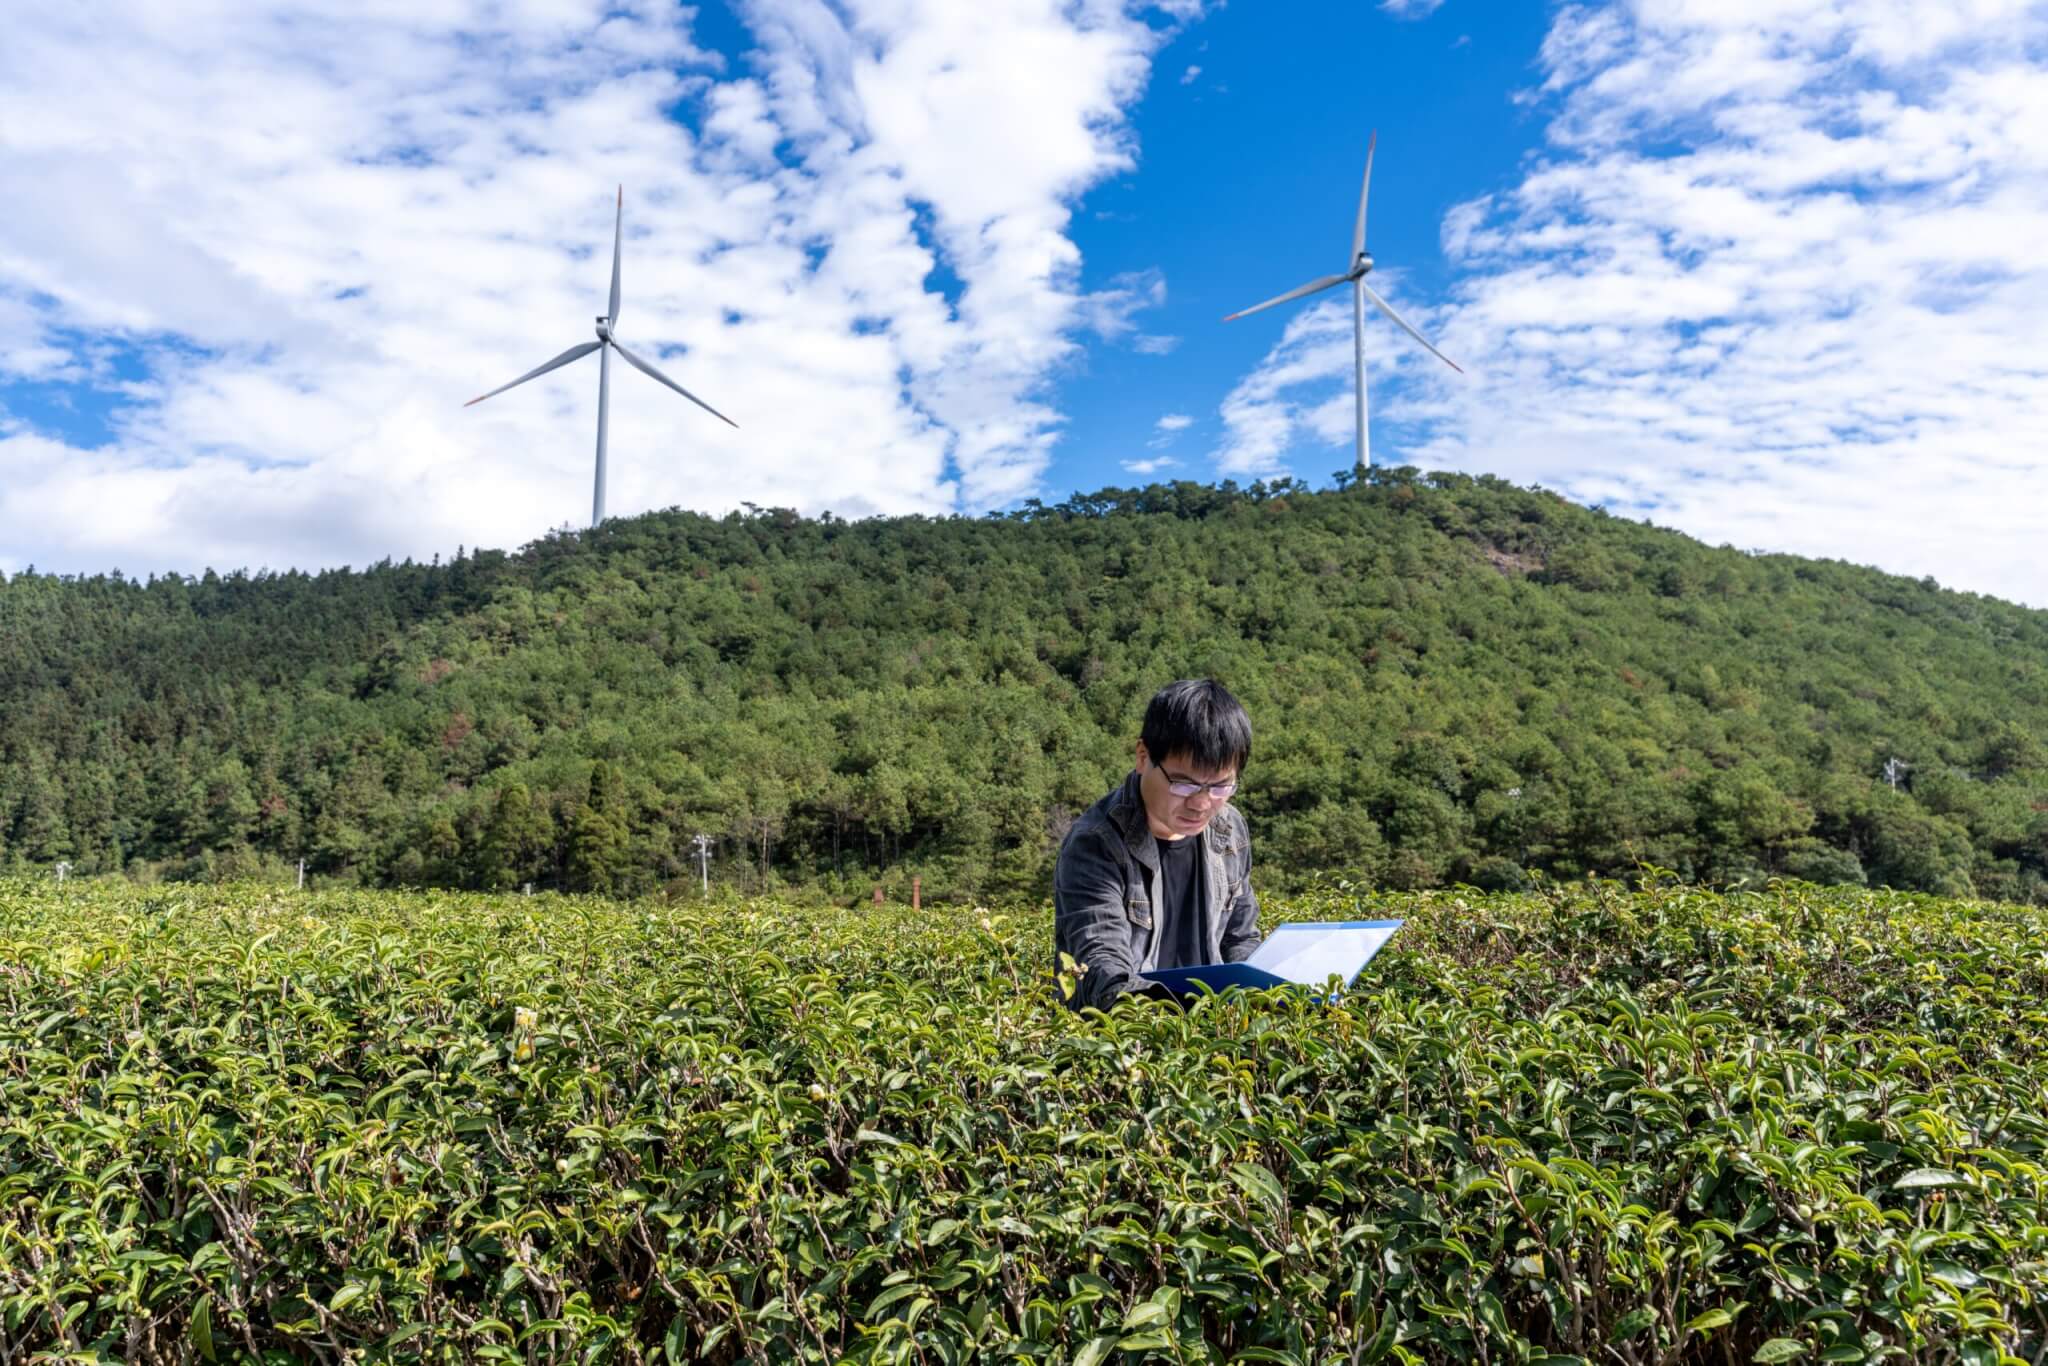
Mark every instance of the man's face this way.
pixel 1172 816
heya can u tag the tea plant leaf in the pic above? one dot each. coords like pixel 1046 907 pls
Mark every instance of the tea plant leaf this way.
pixel 1719 1317
pixel 1260 1183
pixel 202 1329
pixel 1095 1350
pixel 1631 1323
pixel 801 1133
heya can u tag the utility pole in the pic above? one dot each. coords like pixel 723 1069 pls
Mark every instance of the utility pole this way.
pixel 302 875
pixel 703 843
pixel 1895 769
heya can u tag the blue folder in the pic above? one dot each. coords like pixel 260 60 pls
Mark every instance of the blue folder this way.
pixel 1300 954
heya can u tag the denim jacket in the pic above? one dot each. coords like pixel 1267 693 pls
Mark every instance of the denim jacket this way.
pixel 1106 884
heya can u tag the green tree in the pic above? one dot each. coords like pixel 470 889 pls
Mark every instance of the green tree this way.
pixel 1486 678
pixel 515 840
pixel 599 851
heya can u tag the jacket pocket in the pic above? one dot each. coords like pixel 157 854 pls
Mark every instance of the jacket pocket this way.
pixel 1139 910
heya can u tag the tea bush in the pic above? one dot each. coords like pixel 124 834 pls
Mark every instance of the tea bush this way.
pixel 1579 1125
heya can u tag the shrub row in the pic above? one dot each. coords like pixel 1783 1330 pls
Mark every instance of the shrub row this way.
pixel 1587 1125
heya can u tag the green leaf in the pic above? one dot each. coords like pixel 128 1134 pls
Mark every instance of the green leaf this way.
pixel 1780 1349
pixel 1633 1322
pixel 1095 1349
pixel 1718 1317
pixel 1381 1342
pixel 1928 1178
pixel 877 1136
pixel 208 1254
pixel 1494 1317
pixel 1149 1311
pixel 890 1296
pixel 1259 1182
pixel 202 1329
pixel 346 1296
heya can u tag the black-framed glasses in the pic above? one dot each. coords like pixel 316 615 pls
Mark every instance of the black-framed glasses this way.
pixel 1187 787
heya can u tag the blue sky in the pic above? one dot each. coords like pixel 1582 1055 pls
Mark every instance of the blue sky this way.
pixel 1247 185
pixel 1765 272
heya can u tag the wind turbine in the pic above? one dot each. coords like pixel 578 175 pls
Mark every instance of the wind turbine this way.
pixel 1358 267
pixel 605 344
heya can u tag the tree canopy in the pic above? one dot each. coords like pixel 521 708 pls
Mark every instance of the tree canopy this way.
pixel 1450 679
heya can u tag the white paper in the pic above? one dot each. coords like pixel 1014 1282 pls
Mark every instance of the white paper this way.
pixel 1308 954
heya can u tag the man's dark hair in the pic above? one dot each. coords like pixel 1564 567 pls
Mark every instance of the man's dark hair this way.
pixel 1199 719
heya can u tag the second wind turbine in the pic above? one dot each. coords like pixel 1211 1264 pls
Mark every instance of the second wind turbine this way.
pixel 1358 267
pixel 606 343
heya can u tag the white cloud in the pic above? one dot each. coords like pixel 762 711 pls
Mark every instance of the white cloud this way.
pixel 1164 433
pixel 1151 466
pixel 1775 282
pixel 318 228
pixel 26 350
pixel 1189 76
pixel 1110 313
pixel 1411 9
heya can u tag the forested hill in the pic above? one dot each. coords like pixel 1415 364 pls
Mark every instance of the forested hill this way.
pixel 1450 679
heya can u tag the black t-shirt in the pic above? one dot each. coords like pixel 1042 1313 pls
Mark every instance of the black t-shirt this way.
pixel 1180 906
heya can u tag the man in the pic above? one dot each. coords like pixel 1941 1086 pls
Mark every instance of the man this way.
pixel 1158 873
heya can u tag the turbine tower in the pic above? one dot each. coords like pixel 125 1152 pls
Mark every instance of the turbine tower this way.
pixel 1355 271
pixel 605 344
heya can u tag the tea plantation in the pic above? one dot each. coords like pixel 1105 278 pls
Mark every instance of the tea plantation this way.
pixel 1586 1124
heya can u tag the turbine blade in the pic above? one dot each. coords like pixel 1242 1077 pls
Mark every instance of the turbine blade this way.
pixel 644 368
pixel 1388 309
pixel 1358 233
pixel 573 353
pixel 1311 287
pixel 618 229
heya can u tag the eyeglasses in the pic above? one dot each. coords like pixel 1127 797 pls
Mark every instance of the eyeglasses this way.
pixel 1186 787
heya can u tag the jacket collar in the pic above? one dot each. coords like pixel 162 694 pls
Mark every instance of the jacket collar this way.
pixel 1127 814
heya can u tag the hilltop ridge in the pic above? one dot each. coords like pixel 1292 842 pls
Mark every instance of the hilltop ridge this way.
pixel 1452 679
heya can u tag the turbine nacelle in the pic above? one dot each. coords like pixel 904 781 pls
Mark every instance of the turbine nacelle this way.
pixel 1361 266
pixel 604 329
